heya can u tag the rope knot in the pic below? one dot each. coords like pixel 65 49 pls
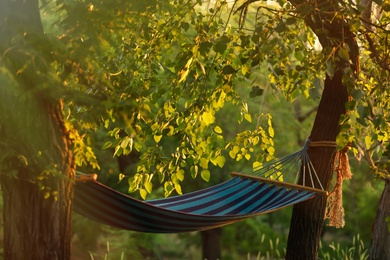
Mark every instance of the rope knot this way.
pixel 334 209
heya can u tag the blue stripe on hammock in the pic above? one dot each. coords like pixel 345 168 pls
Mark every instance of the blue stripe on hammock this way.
pixel 129 215
pixel 210 200
pixel 145 216
pixel 196 195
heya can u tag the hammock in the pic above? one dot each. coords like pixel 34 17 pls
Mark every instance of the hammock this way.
pixel 241 197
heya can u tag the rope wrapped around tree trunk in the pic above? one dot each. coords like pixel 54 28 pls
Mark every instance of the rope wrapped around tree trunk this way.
pixel 334 209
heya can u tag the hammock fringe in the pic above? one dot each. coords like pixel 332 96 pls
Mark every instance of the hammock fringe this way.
pixel 335 210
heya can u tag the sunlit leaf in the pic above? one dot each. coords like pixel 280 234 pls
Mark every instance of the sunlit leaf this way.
pixel 107 145
pixel 205 174
pixel 143 193
pixel 178 188
pixel 208 118
pixel 248 117
pixel 204 163
pixel 218 130
pixel 148 186
pixel 157 138
pixel 180 174
pixel 194 171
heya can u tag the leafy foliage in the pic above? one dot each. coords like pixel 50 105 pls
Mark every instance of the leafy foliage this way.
pixel 160 85
pixel 156 75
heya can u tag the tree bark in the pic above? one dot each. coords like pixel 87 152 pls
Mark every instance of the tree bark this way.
pixel 36 177
pixel 380 242
pixel 332 32
pixel 308 217
pixel 36 227
pixel 211 244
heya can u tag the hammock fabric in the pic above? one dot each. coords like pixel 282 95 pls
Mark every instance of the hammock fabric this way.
pixel 240 197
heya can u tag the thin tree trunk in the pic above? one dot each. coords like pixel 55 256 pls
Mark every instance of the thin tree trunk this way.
pixel 380 242
pixel 37 189
pixel 211 244
pixel 308 217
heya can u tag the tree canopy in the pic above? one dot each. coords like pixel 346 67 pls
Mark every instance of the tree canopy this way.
pixel 157 73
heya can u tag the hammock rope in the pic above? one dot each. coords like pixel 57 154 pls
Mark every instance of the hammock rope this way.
pixel 334 209
pixel 270 187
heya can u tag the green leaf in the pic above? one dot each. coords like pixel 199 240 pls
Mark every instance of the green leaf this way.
pixel 167 188
pixel 185 26
pixel 204 48
pixel 125 142
pixel 248 117
pixel 208 118
pixel 271 131
pixel 205 174
pixel 180 174
pixel 357 94
pixel 257 165
pixel 221 161
pixel 107 145
pixel 148 186
pixel 228 69
pixel 218 160
pixel 143 193
pixel 218 130
pixel 157 138
pixel 204 163
pixel 234 151
pixel 194 171
pixel 178 188
pixel 245 70
pixel 221 44
pixel 343 53
pixel 118 151
pixel 271 150
pixel 270 128
pixel 368 141
pixel 256 91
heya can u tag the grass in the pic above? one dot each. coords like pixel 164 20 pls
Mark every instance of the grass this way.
pixel 354 251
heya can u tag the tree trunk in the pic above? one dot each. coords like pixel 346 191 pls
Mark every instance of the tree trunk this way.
pixel 37 198
pixel 308 217
pixel 36 227
pixel 36 176
pixel 333 32
pixel 211 244
pixel 380 242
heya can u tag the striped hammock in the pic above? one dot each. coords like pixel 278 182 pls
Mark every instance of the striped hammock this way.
pixel 240 197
